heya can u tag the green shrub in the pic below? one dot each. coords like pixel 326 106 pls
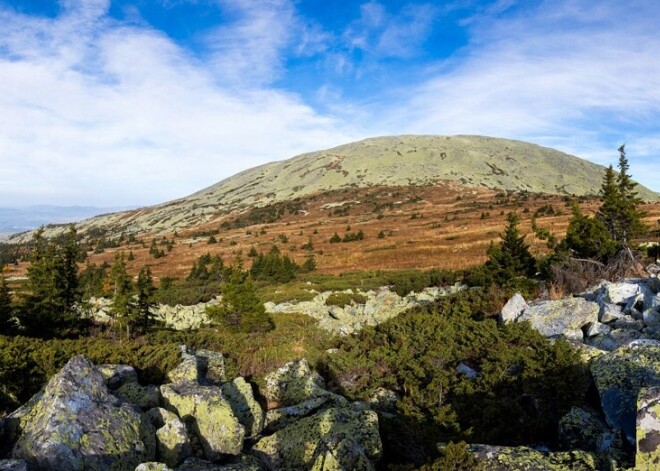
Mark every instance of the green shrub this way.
pixel 524 384
pixel 344 299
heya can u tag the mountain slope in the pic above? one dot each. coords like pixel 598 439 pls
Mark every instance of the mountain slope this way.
pixel 383 161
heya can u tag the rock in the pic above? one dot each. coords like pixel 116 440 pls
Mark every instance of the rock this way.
pixel 208 416
pixel 384 400
pixel 648 429
pixel 634 305
pixel 619 376
pixel 463 369
pixel 78 425
pixel 609 313
pixel 242 463
pixel 277 419
pixel 583 429
pixel 654 284
pixel 500 458
pixel 300 444
pixel 339 454
pixel 293 383
pixel 117 375
pixel 212 366
pixel 13 465
pixel 596 328
pixel 618 293
pixel 513 309
pixel 153 466
pixel 159 416
pixel 201 367
pixel 651 317
pixel 555 318
pixel 144 397
pixel 574 334
pixel 247 410
pixel 172 442
pixel 587 352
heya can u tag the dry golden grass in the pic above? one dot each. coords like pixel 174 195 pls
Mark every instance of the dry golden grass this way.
pixel 425 227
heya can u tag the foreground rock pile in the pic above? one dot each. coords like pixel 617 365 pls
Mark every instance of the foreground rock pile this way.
pixel 616 328
pixel 100 418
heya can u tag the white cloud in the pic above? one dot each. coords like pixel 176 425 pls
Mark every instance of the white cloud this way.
pixel 96 112
pixel 565 74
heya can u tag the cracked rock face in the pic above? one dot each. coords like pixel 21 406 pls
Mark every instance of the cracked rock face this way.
pixel 648 429
pixel 78 425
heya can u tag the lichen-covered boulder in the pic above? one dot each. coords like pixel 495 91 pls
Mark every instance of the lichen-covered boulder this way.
pixel 145 397
pixel 207 415
pixel 13 465
pixel 117 375
pixel 279 418
pixel 172 442
pixel 212 366
pixel 247 410
pixel 513 309
pixel 153 466
pixel 159 416
pixel 339 454
pixel 620 375
pixel 383 399
pixel 648 429
pixel 200 367
pixel 499 458
pixel 557 318
pixel 78 425
pixel 618 293
pixel 300 444
pixel 240 463
pixel 295 382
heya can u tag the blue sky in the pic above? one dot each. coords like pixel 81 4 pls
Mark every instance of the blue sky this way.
pixel 119 102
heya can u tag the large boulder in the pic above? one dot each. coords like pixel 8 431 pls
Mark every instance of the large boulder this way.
pixel 618 293
pixel 648 429
pixel 620 376
pixel 293 383
pixel 13 465
pixel 247 410
pixel 240 463
pixel 207 415
pixel 172 442
pixel 78 425
pixel 144 397
pixel 353 430
pixel 513 309
pixel 500 458
pixel 117 375
pixel 564 317
pixel 200 367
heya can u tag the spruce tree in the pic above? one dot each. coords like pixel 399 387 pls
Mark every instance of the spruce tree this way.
pixel 588 237
pixel 511 258
pixel 6 308
pixel 122 291
pixel 620 203
pixel 144 302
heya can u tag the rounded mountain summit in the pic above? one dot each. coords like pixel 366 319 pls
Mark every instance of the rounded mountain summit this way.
pixel 413 160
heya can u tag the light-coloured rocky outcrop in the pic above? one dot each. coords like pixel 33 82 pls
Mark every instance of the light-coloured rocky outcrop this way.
pixel 380 306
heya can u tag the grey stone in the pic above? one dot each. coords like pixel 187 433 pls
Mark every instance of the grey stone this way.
pixel 513 309
pixel 648 429
pixel 144 397
pixel 555 318
pixel 620 376
pixel 610 312
pixel 247 410
pixel 300 444
pixel 207 415
pixel 464 369
pixel 117 375
pixel 153 466
pixel 78 425
pixel 13 465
